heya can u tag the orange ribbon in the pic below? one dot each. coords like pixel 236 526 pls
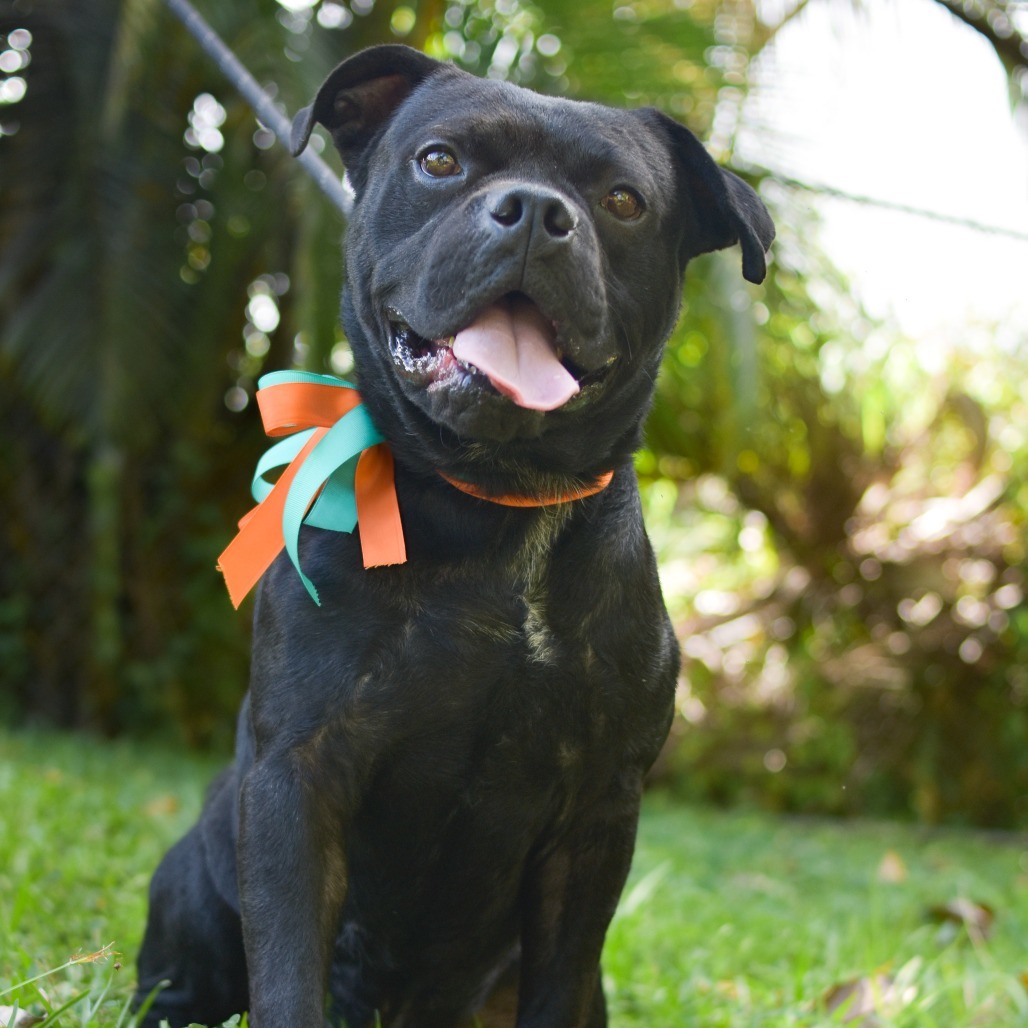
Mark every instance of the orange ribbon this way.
pixel 342 466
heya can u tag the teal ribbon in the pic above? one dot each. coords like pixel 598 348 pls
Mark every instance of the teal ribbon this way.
pixel 330 467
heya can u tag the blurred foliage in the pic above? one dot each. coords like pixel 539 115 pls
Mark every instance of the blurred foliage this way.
pixel 844 546
pixel 842 534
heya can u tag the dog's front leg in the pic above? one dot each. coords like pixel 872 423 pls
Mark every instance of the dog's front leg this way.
pixel 571 893
pixel 292 883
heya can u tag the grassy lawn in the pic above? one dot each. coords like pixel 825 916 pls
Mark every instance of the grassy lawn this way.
pixel 729 919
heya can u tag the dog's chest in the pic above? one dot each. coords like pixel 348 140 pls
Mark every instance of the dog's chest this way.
pixel 516 680
pixel 521 672
pixel 506 715
pixel 528 574
pixel 503 616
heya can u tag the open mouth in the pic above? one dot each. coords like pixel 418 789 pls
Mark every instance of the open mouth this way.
pixel 510 347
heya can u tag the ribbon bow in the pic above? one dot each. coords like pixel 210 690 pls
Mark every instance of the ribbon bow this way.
pixel 338 471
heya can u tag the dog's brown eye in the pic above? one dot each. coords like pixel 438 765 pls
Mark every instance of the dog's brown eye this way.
pixel 440 164
pixel 623 204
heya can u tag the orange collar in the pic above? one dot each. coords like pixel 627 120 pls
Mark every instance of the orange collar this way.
pixel 518 500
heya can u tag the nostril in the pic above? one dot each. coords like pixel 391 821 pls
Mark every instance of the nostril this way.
pixel 509 210
pixel 558 220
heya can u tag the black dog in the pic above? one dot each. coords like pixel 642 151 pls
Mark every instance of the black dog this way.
pixel 438 770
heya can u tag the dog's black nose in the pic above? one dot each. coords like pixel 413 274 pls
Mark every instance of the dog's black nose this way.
pixel 545 214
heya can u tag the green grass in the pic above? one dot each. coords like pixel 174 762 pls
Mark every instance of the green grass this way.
pixel 743 919
pixel 729 919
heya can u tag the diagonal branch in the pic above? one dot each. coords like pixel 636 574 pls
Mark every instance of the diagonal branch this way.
pixel 990 18
pixel 251 91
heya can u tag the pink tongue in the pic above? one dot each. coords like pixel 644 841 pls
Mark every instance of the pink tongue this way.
pixel 510 343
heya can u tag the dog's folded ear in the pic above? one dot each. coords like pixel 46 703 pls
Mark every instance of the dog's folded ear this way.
pixel 724 209
pixel 359 97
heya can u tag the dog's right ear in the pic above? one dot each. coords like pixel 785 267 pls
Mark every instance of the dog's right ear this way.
pixel 359 98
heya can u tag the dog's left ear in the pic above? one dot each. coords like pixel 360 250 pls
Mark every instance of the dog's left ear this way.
pixel 359 97
pixel 724 209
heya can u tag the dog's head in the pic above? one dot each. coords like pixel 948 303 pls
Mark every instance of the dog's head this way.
pixel 514 261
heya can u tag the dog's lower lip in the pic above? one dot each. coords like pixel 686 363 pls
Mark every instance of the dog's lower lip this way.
pixel 588 378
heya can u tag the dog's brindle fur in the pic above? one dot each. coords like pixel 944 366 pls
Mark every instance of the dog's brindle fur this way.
pixel 438 769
